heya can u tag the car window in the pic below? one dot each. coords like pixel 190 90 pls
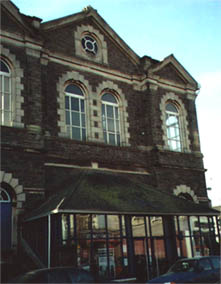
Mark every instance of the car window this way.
pixel 216 261
pixel 84 277
pixel 35 277
pixel 58 276
pixel 183 266
pixel 205 264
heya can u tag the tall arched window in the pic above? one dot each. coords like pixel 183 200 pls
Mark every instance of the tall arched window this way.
pixel 173 127
pixel 6 219
pixel 5 90
pixel 75 112
pixel 110 119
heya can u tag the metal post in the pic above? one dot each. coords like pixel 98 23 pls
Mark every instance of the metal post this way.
pixel 49 241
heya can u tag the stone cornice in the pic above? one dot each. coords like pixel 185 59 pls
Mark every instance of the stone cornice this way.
pixel 139 82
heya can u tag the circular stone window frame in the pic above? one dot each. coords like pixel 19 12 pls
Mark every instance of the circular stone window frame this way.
pixel 87 30
pixel 91 39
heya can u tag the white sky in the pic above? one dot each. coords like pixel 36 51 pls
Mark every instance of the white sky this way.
pixel 190 29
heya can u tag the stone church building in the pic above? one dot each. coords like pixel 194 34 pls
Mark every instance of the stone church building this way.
pixel 101 166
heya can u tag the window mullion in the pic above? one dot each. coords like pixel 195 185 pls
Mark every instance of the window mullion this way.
pixel 107 125
pixel 115 126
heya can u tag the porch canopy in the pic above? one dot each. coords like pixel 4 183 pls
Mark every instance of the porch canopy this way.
pixel 96 191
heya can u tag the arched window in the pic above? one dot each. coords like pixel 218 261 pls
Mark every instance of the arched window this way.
pixel 186 196
pixel 110 119
pixel 4 196
pixel 6 219
pixel 5 90
pixel 173 127
pixel 75 112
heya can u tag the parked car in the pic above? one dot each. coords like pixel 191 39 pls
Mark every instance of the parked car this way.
pixel 56 275
pixel 204 269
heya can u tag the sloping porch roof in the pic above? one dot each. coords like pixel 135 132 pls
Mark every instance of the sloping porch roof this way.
pixel 95 191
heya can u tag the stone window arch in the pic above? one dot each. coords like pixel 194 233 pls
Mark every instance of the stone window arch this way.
pixel 108 87
pixel 186 192
pixel 90 44
pixel 179 140
pixel 73 78
pixel 16 87
pixel 12 192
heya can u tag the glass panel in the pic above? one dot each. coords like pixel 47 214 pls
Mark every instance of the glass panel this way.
pixel 64 226
pixel 171 132
pixel 109 98
pixel 4 196
pixel 171 120
pixel 157 226
pixel 83 120
pixel 75 104
pixel 67 113
pixel 83 134
pixel 104 123
pixel 207 236
pixel 118 139
pixel 76 133
pixel 67 98
pixel 123 226
pixel 159 261
pixel 110 125
pixel 73 89
pixel 138 226
pixel 124 272
pixel 4 67
pixel 186 244
pixel 105 137
pixel 179 237
pixel 69 131
pixel 71 217
pixel 82 105
pixel 173 144
pixel 140 260
pixel 216 225
pixel 177 131
pixel 171 107
pixel 98 226
pixel 101 259
pixel 1 87
pixel 116 112
pixel 216 261
pixel 6 84
pixel 103 110
pixel 7 116
pixel 117 125
pixel 113 225
pixel 83 254
pixel 110 111
pixel 196 233
pixel 148 225
pixel 205 263
pixel 7 102
pixel 83 225
pixel 115 258
pixel 112 139
pixel 75 118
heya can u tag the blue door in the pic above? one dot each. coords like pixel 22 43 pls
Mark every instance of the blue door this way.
pixel 5 220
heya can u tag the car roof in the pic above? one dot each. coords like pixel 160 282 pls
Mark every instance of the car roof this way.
pixel 58 268
pixel 197 257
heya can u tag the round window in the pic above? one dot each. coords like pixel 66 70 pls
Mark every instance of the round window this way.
pixel 89 44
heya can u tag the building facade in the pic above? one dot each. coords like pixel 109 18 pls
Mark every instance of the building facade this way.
pixel 101 164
